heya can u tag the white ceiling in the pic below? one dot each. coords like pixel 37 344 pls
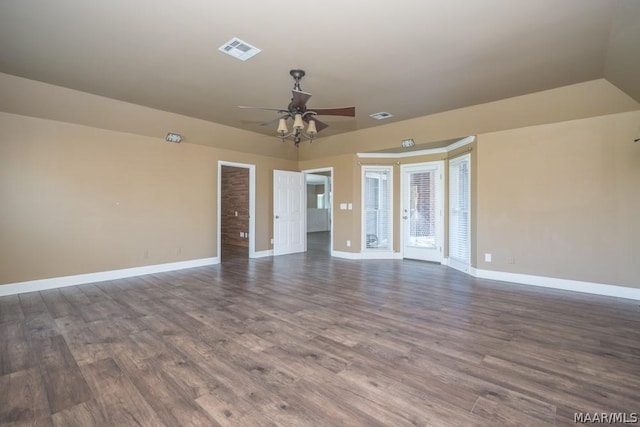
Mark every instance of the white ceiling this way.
pixel 408 57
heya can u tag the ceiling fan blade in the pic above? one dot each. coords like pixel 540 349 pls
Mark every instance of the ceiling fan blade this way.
pixel 283 110
pixel 319 125
pixel 299 99
pixel 275 121
pixel 345 111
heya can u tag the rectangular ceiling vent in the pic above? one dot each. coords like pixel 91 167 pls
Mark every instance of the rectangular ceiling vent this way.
pixel 381 116
pixel 239 49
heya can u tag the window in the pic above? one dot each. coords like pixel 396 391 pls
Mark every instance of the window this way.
pixel 377 202
pixel 459 212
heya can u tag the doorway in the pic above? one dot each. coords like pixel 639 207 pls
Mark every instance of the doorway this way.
pixel 236 211
pixel 319 210
pixel 422 211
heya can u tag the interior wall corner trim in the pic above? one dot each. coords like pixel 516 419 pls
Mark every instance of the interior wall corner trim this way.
pixel 81 279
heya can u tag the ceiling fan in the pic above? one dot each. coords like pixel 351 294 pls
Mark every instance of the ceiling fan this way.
pixel 298 111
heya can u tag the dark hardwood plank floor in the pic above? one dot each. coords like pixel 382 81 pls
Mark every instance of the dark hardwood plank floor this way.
pixel 309 340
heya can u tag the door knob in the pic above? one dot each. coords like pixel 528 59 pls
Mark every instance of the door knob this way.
pixel 277 217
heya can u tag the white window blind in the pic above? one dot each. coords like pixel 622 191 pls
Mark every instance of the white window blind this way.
pixel 377 207
pixel 459 209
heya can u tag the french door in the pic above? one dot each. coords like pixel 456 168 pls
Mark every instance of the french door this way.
pixel 422 211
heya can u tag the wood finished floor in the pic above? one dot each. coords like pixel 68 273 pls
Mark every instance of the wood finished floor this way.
pixel 309 340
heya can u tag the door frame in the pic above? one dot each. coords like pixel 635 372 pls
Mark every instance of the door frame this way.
pixel 252 206
pixel 330 170
pixel 440 203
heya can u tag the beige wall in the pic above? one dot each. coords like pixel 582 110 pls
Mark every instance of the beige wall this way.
pixel 562 199
pixel 348 179
pixel 80 199
pixel 36 99
pixel 597 111
pixel 588 99
pixel 77 199
pixel 346 189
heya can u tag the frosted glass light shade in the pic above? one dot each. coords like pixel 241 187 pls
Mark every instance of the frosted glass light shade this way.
pixel 297 122
pixel 311 130
pixel 282 127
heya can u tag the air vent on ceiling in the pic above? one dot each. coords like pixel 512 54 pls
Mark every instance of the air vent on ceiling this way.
pixel 239 49
pixel 381 116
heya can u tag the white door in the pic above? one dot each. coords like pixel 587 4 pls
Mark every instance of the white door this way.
pixel 289 212
pixel 422 211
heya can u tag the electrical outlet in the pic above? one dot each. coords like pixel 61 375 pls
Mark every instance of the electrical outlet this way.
pixel 272 240
pixel 241 234
pixel 348 243
pixel 511 259
pixel 487 257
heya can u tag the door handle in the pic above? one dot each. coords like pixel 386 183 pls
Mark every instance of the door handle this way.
pixel 277 217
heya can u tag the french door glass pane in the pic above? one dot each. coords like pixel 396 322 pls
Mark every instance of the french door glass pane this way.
pixel 422 214
pixel 377 208
pixel 459 211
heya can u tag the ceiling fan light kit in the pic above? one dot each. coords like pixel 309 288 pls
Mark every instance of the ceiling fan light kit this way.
pixel 297 122
pixel 298 129
pixel 297 110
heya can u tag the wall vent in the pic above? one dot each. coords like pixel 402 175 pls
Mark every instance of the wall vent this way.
pixel 239 49
pixel 381 116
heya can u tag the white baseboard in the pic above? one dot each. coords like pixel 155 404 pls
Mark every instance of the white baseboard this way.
pixel 80 279
pixel 345 255
pixel 524 279
pixel 563 284
pixel 366 255
pixel 460 266
pixel 380 255
pixel 262 254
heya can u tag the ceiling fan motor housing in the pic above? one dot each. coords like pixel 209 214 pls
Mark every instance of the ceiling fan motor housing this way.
pixel 297 74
